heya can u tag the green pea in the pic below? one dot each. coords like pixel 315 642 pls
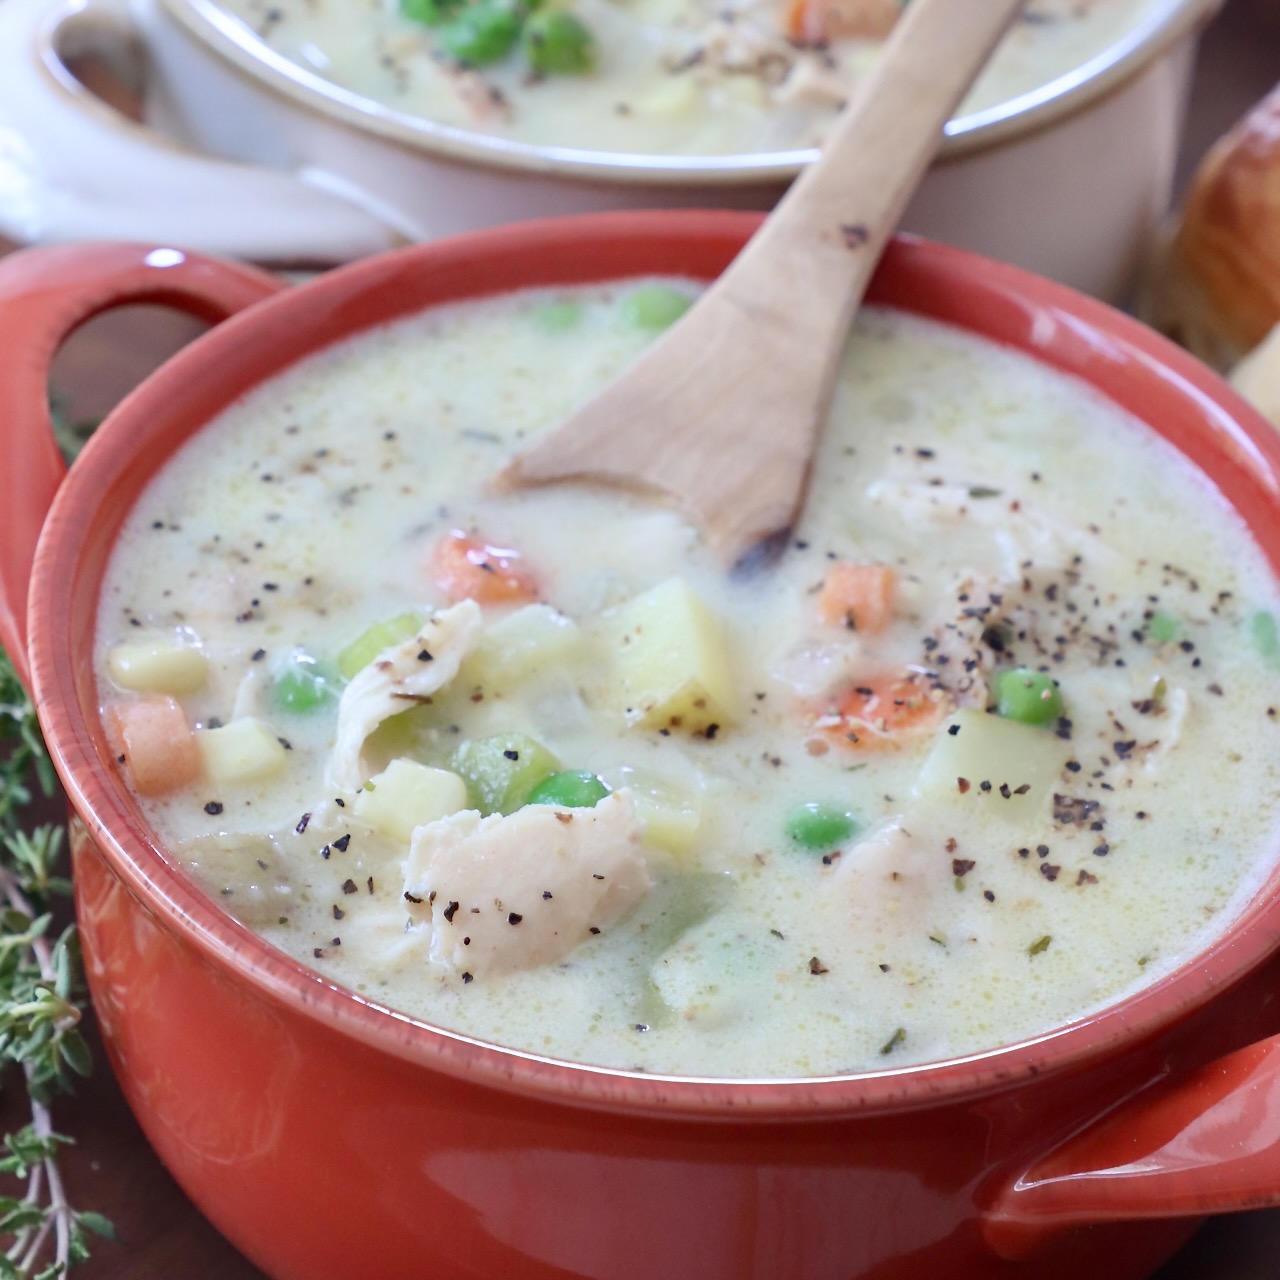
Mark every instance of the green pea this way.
pixel 655 306
pixel 819 826
pixel 557 316
pixel 501 772
pixel 481 33
pixel 558 44
pixel 1031 697
pixel 1163 628
pixel 431 13
pixel 571 789
pixel 299 685
pixel 373 640
pixel 1262 631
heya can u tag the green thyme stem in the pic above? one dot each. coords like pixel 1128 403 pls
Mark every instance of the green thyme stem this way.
pixel 40 1006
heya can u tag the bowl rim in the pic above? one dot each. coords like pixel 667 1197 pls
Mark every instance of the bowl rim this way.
pixel 1062 327
pixel 1159 28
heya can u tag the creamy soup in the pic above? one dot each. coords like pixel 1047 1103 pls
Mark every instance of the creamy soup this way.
pixel 993 742
pixel 657 77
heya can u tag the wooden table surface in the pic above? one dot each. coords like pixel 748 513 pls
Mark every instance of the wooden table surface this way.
pixel 112 1169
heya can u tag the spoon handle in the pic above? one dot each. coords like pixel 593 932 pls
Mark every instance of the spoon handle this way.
pixel 814 257
pixel 724 410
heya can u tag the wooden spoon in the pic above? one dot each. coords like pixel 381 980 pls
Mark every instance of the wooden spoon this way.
pixel 724 410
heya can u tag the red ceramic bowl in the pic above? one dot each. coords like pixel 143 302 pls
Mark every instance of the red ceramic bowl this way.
pixel 328 1137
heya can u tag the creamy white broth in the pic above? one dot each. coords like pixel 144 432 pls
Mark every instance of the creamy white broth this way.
pixel 672 77
pixel 310 510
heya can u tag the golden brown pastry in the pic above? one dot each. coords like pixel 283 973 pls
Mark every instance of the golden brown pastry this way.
pixel 1218 291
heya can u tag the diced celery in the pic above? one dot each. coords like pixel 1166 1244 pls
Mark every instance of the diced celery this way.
pixel 406 795
pixel 980 758
pixel 673 661
pixel 162 665
pixel 501 771
pixel 246 750
pixel 373 640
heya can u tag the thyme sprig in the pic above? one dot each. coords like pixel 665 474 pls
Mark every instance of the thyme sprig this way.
pixel 41 1003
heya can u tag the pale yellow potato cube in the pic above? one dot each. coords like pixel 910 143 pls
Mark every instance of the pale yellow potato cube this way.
pixel 675 98
pixel 1007 767
pixel 160 665
pixel 670 814
pixel 521 644
pixel 672 661
pixel 246 750
pixel 670 822
pixel 406 795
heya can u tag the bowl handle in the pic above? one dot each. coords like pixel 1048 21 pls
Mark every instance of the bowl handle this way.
pixel 72 168
pixel 44 295
pixel 1207 1142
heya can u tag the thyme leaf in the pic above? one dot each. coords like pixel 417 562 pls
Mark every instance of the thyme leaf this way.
pixel 41 1004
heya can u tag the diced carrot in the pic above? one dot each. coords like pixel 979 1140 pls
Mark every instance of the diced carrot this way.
pixel 817 21
pixel 858 596
pixel 468 568
pixel 158 745
pixel 887 711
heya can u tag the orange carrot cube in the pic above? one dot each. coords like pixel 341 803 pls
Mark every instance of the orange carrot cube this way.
pixel 858 596
pixel 817 21
pixel 469 568
pixel 157 743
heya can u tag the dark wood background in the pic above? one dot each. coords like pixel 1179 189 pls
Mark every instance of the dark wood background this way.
pixel 111 1168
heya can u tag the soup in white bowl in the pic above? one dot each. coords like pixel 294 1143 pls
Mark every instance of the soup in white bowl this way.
pixel 991 744
pixel 648 77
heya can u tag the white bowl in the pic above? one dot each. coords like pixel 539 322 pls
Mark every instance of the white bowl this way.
pixel 1067 180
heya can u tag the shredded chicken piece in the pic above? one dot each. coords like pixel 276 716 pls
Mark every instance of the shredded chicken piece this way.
pixel 395 680
pixel 1155 735
pixel 485 101
pixel 1023 534
pixel 812 82
pixel 517 891
pixel 963 658
pixel 743 48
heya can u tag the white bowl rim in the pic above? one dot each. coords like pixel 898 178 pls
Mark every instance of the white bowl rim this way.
pixel 1163 24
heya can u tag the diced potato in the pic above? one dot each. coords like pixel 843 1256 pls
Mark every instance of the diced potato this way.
pixel 501 771
pixel 675 98
pixel 160 665
pixel 246 750
pixel 672 660
pixel 748 90
pixel 521 644
pixel 406 795
pixel 671 814
pixel 1021 764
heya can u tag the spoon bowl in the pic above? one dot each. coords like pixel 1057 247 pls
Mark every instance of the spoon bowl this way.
pixel 722 413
